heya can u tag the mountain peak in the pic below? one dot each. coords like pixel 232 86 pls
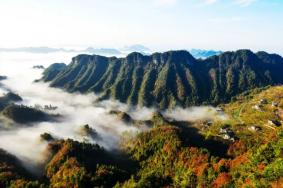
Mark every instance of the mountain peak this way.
pixel 171 78
pixel 85 58
pixel 180 54
pixel 135 54
pixel 245 52
pixel 135 57
pixel 174 56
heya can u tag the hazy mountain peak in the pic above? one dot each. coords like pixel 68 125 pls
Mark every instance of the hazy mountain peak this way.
pixel 203 54
pixel 136 48
pixel 102 50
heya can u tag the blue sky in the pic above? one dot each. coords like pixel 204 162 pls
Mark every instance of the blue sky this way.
pixel 159 24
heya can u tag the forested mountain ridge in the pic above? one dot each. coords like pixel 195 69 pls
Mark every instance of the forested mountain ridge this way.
pixel 170 153
pixel 169 79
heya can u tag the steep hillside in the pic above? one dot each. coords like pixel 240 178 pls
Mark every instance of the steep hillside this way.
pixel 53 70
pixel 168 79
pixel 11 169
pixel 171 153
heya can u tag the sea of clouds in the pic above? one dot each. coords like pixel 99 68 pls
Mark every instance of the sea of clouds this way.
pixel 76 110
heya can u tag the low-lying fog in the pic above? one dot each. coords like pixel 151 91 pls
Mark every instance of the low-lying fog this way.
pixel 76 109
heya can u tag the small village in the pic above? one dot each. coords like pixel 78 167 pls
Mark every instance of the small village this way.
pixel 228 132
pixel 271 123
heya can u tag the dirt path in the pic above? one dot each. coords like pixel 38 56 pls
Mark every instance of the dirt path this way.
pixel 237 117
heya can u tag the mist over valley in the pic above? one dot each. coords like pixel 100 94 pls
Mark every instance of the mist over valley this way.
pixel 141 94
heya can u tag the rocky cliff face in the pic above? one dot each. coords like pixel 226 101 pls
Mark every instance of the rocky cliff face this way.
pixel 168 79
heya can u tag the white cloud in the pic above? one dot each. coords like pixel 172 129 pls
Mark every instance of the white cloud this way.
pixel 239 2
pixel 225 19
pixel 209 2
pixel 245 2
pixel 165 2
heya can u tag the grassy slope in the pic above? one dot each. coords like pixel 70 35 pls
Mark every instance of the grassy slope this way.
pixel 254 160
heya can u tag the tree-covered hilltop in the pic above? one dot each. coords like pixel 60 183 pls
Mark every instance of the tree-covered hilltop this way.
pixel 11 169
pixel 8 99
pixel 25 114
pixel 3 77
pixel 172 153
pixel 168 79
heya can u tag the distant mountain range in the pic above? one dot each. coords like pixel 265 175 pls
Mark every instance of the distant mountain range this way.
pixel 44 50
pixel 136 48
pixel 197 53
pixel 168 79
pixel 35 50
pixel 89 50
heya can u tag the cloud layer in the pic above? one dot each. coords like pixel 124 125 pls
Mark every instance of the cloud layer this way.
pixel 239 2
pixel 77 110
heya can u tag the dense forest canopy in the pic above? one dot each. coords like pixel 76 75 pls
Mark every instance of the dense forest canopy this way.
pixel 169 79
pixel 235 144
pixel 171 153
